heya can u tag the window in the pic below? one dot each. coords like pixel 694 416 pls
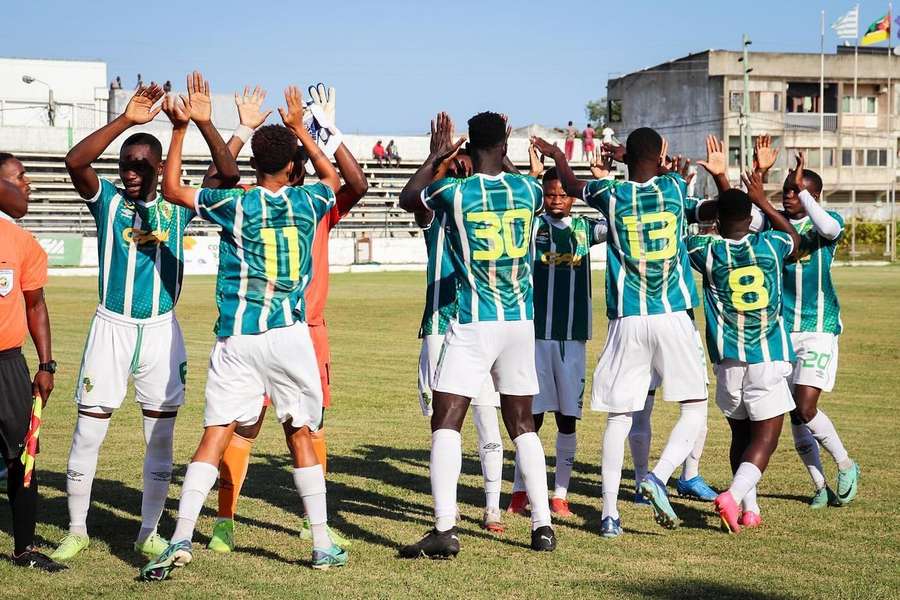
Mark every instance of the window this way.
pixel 812 156
pixel 776 102
pixel 871 157
pixel 870 104
pixel 614 110
pixel 882 158
pixel 846 158
pixel 735 102
pixel 865 105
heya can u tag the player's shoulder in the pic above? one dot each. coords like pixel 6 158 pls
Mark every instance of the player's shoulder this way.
pixel 316 190
pixel 701 241
pixel 837 216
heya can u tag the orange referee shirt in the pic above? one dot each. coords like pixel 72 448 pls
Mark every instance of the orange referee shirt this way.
pixel 316 293
pixel 23 267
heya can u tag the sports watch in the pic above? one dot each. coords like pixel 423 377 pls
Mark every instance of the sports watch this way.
pixel 50 367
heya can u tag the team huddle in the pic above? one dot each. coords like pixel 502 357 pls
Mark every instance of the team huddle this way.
pixel 507 316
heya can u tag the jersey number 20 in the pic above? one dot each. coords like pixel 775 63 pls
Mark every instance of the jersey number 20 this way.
pixel 500 232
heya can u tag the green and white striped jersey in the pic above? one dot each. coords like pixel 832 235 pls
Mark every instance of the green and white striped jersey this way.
pixel 810 300
pixel 647 270
pixel 440 294
pixel 742 289
pixel 489 231
pixel 265 253
pixel 140 251
pixel 562 276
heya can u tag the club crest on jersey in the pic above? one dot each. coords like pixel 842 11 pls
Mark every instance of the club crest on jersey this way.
pixel 87 384
pixel 7 277
pixel 144 238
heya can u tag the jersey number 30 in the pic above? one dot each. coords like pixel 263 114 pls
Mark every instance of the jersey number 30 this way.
pixel 668 233
pixel 746 281
pixel 500 233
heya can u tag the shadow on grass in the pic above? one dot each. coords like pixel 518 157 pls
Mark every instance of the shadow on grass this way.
pixel 677 589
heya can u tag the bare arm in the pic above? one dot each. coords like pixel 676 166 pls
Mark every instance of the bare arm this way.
pixel 251 117
pixel 715 163
pixel 571 184
pixel 172 189
pixel 199 104
pixel 12 201
pixel 355 183
pixel 443 151
pixel 754 184
pixel 140 110
pixel 39 327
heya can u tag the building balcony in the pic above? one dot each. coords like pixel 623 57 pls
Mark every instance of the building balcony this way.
pixel 809 121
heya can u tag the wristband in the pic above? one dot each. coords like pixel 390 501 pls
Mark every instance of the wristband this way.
pixel 243 133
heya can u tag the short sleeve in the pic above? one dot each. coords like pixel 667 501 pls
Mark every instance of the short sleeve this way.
pixel 105 193
pixel 697 246
pixel 34 265
pixel 323 198
pixel 837 217
pixel 439 194
pixel 781 242
pixel 597 192
pixel 598 229
pixel 218 205
pixel 758 220
pixel 537 192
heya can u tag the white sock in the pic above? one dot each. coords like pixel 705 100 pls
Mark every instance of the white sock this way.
pixel 445 467
pixel 159 436
pixel 745 479
pixel 310 484
pixel 490 451
pixel 198 481
pixel 518 484
pixel 808 449
pixel 566 443
pixel 748 502
pixel 639 440
pixel 823 430
pixel 532 463
pixel 691 466
pixel 682 438
pixel 617 427
pixel 86 442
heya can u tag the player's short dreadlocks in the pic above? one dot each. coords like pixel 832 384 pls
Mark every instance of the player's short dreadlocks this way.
pixel 486 130
pixel 273 148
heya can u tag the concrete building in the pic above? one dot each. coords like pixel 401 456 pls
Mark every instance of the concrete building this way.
pixel 690 97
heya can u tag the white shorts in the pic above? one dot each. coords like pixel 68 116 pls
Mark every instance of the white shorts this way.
pixel 656 380
pixel 560 369
pixel 639 346
pixel 756 391
pixel 817 360
pixel 280 363
pixel 428 358
pixel 503 350
pixel 151 351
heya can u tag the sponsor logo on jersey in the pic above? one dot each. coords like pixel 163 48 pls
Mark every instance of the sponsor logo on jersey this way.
pixel 561 259
pixel 144 238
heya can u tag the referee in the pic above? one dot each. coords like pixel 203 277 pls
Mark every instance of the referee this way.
pixel 23 273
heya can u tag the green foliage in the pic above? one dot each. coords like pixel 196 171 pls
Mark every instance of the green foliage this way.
pixel 595 110
pixel 870 240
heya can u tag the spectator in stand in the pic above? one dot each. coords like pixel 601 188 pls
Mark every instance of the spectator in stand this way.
pixel 116 83
pixel 380 154
pixel 587 143
pixel 167 86
pixel 140 81
pixel 393 153
pixel 571 134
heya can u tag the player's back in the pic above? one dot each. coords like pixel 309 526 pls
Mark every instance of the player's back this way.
pixel 265 258
pixel 490 225
pixel 440 276
pixel 743 290
pixel 647 266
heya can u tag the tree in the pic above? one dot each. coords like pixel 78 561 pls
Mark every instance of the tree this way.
pixel 596 110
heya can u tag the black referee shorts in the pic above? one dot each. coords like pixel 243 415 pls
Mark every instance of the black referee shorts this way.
pixel 15 402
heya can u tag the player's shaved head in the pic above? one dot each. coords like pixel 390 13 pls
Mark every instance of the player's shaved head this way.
pixel 550 175
pixel 487 130
pixel 734 206
pixel 143 139
pixel 813 182
pixel 643 145
pixel 273 147
pixel 5 156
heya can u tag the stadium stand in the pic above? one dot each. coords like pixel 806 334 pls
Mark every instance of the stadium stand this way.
pixel 56 208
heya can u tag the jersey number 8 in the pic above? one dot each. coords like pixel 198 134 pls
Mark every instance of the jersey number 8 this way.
pixel 636 226
pixel 500 232
pixel 740 289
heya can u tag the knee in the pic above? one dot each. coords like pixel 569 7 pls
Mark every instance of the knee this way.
pixel 803 414
pixel 566 424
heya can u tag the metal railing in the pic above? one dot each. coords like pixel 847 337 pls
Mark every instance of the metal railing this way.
pixel 809 121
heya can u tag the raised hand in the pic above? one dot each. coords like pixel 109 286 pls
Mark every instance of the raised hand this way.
pixel 715 163
pixel 199 103
pixel 140 108
pixel 682 166
pixel 601 165
pixel 442 145
pixel 178 111
pixel 292 116
pixel 616 153
pixel 535 162
pixel 764 154
pixel 754 183
pixel 546 148
pixel 324 97
pixel 249 107
pixel 798 171
pixel 664 161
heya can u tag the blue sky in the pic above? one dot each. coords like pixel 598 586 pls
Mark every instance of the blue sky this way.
pixel 396 62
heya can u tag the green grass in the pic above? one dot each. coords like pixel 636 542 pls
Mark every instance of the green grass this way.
pixel 379 487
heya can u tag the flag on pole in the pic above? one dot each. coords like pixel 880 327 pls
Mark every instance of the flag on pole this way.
pixel 847 27
pixel 31 440
pixel 879 31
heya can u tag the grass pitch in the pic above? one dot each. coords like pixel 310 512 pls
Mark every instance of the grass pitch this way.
pixel 379 489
